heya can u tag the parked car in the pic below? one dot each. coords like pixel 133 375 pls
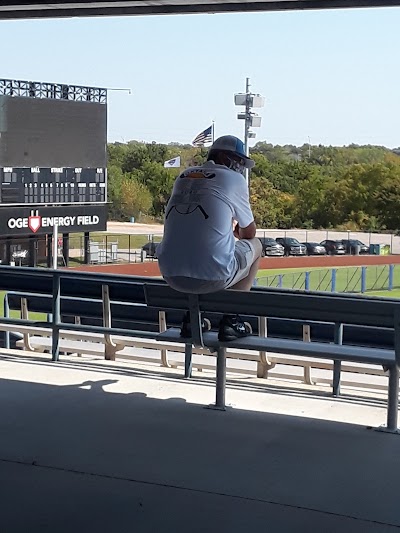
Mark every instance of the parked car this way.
pixel 150 248
pixel 334 247
pixel 291 246
pixel 350 245
pixel 271 247
pixel 314 248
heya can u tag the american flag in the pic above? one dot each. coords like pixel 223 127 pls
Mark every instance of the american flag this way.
pixel 205 136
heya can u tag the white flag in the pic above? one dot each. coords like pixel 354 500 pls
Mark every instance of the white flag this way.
pixel 173 163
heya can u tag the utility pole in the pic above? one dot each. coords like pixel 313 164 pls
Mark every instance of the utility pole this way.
pixel 249 100
pixel 247 120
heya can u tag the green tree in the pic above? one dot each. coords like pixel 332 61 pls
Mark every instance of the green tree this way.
pixel 114 194
pixel 159 181
pixel 387 198
pixel 270 206
pixel 352 187
pixel 135 199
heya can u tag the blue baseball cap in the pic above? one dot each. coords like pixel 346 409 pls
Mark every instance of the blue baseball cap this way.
pixel 229 143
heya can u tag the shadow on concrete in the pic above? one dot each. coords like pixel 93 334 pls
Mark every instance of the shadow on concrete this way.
pixel 246 383
pixel 79 458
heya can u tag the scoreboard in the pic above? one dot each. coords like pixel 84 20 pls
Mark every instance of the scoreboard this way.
pixel 53 144
pixel 52 185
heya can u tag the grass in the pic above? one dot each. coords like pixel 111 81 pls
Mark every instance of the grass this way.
pixel 17 314
pixel 386 294
pixel 348 279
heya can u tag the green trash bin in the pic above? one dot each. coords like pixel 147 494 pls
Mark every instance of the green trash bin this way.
pixel 374 249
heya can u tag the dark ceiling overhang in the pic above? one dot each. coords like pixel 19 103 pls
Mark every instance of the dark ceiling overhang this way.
pixel 14 9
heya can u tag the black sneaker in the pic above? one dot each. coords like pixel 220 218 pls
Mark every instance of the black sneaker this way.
pixel 232 327
pixel 186 330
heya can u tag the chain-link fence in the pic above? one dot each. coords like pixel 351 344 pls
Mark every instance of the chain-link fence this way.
pixel 318 236
pixel 103 248
pixel 344 279
pixel 97 248
pixel 112 248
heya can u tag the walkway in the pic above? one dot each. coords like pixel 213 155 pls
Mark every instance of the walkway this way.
pixel 93 446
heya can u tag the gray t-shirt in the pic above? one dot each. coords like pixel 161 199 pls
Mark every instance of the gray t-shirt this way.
pixel 198 241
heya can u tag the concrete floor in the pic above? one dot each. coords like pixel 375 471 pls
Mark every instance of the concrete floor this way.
pixel 119 447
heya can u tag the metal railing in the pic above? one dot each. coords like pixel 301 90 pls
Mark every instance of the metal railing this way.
pixel 345 279
pixel 268 365
pixel 97 287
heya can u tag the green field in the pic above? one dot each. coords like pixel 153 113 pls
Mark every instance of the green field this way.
pixel 348 279
pixel 17 314
pixel 395 293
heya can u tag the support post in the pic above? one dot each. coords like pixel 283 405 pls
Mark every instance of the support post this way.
pixel 391 276
pixel 55 246
pixel 32 257
pixel 393 392
pixel 49 251
pixel 307 368
pixel 110 347
pixel 337 364
pixel 263 364
pixel 188 360
pixel 65 248
pixel 221 379
pixel 55 345
pixel 86 247
pixel 307 281
pixel 333 280
pixel 393 399
pixel 162 326
pixel 195 321
pixel 8 251
pixel 25 316
pixel 77 320
pixel 363 279
pixel 7 314
pixel 197 332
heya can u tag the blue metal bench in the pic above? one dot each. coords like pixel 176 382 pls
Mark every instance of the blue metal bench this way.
pixel 61 287
pixel 299 305
pixel 89 304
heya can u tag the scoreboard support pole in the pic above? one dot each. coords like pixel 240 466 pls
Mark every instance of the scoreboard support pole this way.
pixel 86 246
pixel 65 248
pixel 49 251
pixel 33 251
pixel 8 250
pixel 55 247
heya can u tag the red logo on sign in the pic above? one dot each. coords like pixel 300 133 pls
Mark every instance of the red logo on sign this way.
pixel 34 223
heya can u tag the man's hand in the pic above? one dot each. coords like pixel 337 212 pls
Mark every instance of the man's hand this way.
pixel 245 233
pixel 236 230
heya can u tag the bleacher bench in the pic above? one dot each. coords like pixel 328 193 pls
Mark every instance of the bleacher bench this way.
pixel 299 305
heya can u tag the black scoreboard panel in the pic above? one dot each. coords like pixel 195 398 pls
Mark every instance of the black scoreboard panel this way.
pixel 44 132
pixel 36 185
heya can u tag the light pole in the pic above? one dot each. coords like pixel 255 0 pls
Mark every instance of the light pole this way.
pixel 249 100
pixel 247 120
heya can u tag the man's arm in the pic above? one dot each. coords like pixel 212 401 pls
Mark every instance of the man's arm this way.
pixel 249 232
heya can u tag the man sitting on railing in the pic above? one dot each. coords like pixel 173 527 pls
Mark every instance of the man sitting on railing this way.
pixel 198 253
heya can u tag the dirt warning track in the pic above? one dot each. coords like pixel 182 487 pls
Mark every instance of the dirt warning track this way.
pixel 151 268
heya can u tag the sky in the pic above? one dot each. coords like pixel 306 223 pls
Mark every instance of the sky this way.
pixel 328 77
